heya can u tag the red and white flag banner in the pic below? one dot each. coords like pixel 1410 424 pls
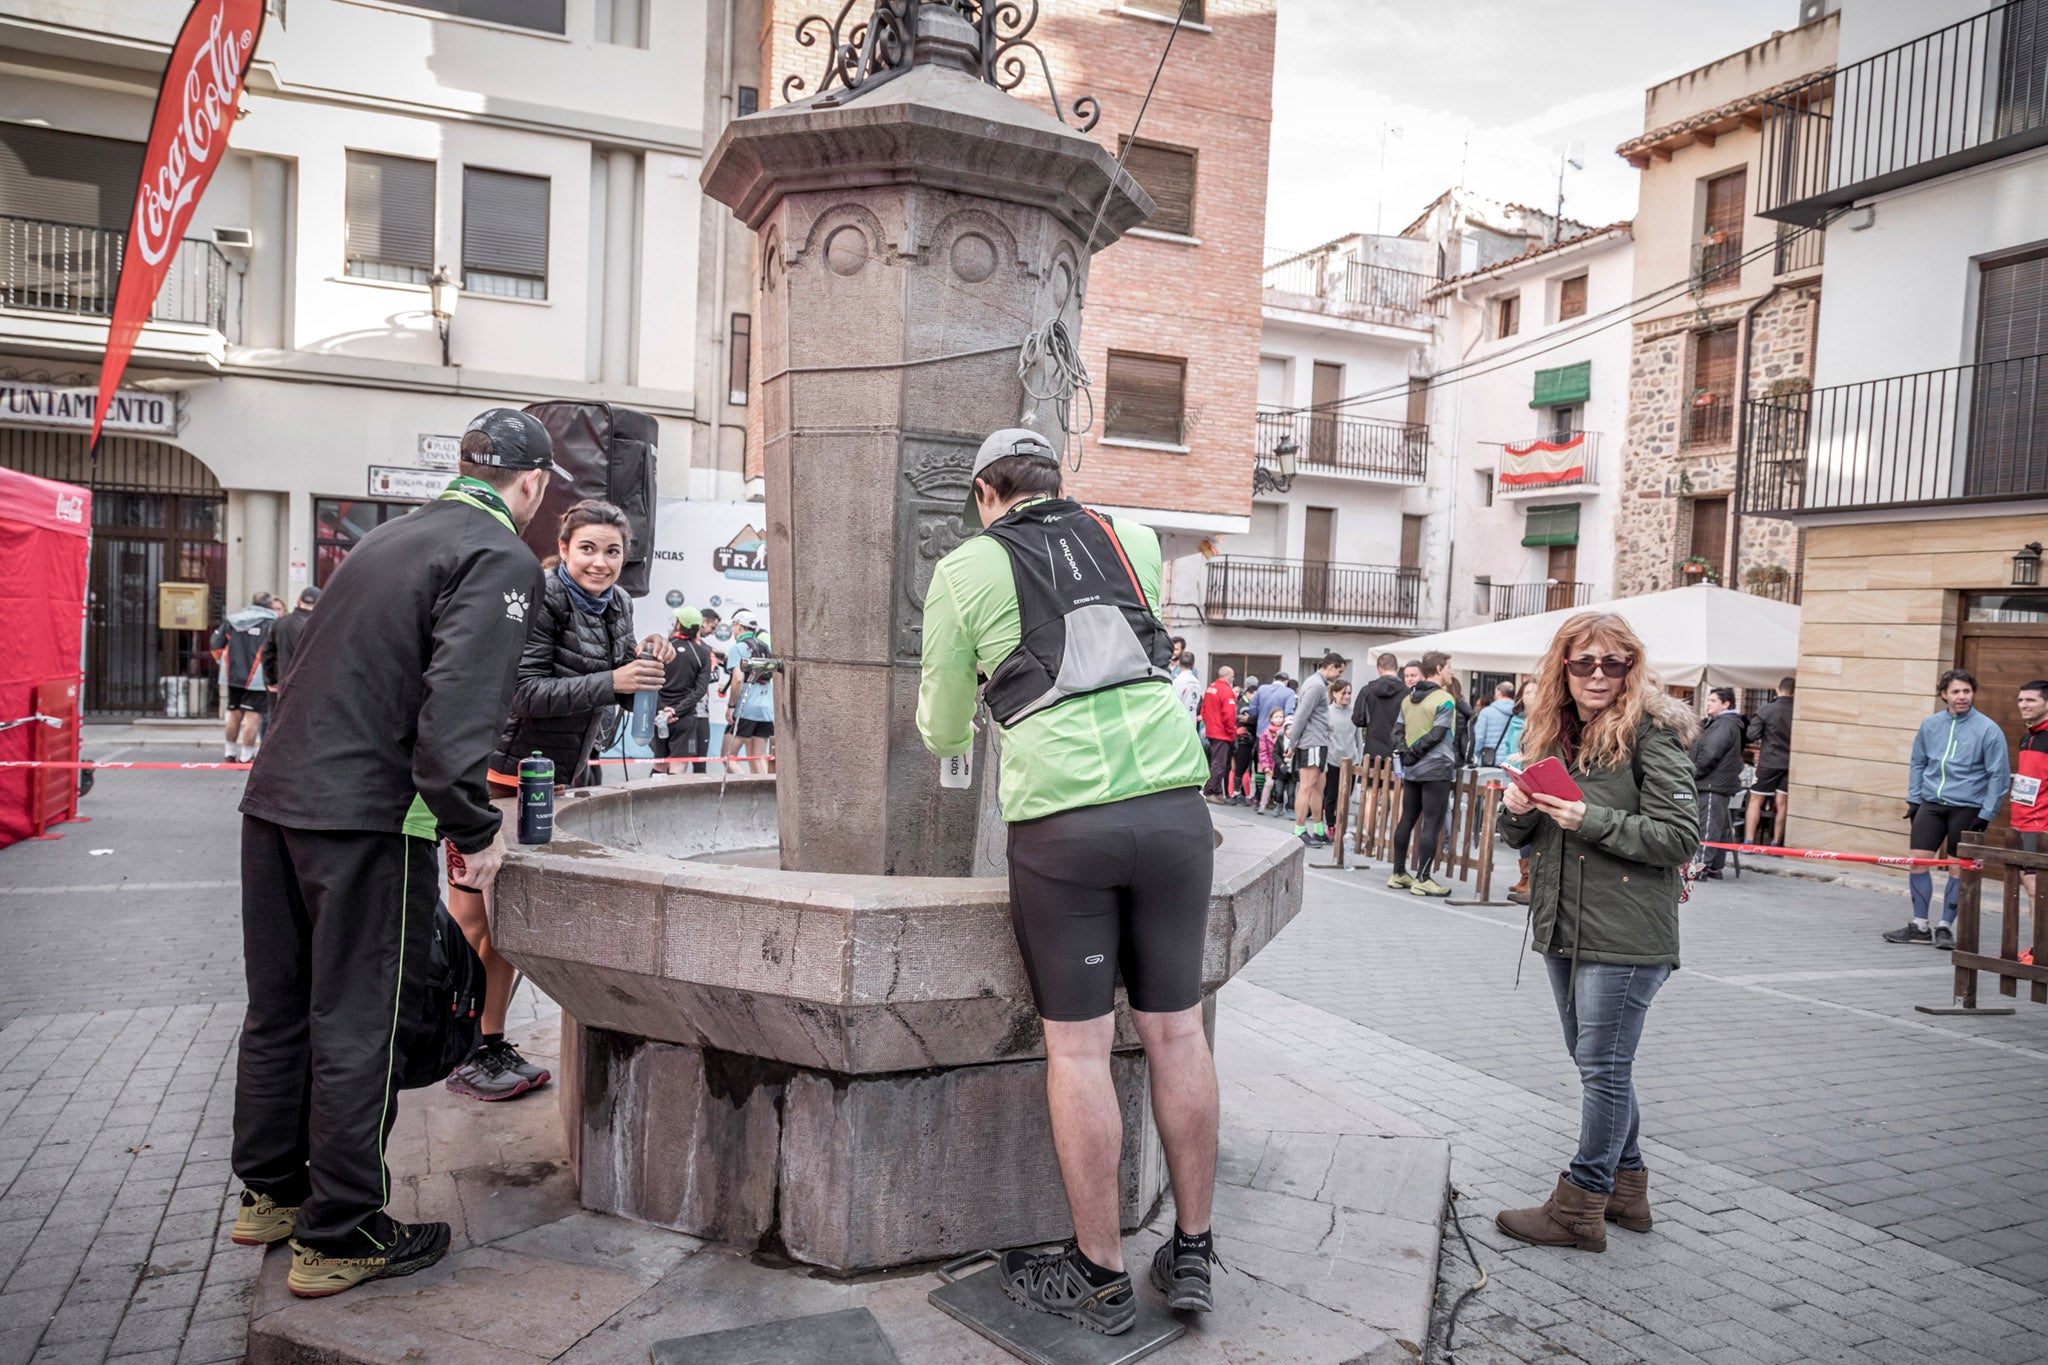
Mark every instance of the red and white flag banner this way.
pixel 1536 463
pixel 195 108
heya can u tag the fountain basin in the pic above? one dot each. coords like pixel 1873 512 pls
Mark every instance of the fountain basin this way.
pixel 846 1066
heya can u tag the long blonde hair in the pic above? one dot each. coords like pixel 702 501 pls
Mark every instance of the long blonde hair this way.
pixel 1609 739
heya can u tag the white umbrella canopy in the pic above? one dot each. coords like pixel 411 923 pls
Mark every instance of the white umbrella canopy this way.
pixel 1704 636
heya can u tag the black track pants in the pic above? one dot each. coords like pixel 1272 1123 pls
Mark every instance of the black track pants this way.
pixel 1423 805
pixel 336 932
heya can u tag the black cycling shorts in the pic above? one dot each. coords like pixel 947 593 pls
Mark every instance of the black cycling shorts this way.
pixel 1119 888
pixel 1936 826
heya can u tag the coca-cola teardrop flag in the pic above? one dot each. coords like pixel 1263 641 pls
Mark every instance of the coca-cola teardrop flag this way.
pixel 195 108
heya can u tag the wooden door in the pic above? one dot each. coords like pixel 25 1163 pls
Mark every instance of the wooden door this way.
pixel 1326 387
pixel 1563 570
pixel 1317 538
pixel 2003 654
pixel 1710 531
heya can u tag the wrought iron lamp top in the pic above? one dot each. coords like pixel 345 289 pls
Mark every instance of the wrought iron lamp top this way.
pixel 879 47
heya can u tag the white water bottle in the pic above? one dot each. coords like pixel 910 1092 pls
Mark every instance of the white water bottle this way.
pixel 957 771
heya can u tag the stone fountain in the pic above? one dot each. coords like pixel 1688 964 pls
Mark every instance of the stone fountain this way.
pixel 837 1058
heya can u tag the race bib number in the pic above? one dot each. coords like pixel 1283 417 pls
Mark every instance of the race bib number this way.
pixel 2026 791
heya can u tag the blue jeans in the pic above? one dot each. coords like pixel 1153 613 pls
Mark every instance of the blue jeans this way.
pixel 1603 1021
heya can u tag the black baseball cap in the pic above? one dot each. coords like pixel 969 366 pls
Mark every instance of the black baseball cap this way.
pixel 514 440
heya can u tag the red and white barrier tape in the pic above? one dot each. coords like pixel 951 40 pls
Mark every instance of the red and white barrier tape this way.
pixel 1824 855
pixel 223 766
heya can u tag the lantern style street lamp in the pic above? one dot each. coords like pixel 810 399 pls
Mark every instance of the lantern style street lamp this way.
pixel 443 294
pixel 2026 566
pixel 1265 480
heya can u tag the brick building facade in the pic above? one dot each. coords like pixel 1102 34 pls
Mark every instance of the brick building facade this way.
pixel 1170 332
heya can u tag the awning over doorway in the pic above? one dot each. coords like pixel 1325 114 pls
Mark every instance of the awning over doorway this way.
pixel 1704 636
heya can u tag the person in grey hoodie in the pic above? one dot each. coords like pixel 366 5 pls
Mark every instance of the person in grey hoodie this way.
pixel 1346 745
pixel 1958 775
pixel 1308 739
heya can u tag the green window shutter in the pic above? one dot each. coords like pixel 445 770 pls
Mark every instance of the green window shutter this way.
pixel 1554 525
pixel 1565 384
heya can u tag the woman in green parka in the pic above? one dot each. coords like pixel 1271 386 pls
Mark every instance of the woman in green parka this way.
pixel 1604 885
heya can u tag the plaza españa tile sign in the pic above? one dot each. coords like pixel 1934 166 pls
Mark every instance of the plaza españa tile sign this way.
pixel 129 411
pixel 440 452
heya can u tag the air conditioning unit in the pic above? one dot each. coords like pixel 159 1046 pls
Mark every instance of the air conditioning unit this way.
pixel 234 237
pixel 1810 10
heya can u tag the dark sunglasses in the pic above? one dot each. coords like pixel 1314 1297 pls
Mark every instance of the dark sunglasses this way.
pixel 1609 667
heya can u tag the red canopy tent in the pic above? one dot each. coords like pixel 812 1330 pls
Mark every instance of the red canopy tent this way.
pixel 45 529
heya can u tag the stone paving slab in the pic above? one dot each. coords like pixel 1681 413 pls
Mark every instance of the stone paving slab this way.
pixel 1341 1268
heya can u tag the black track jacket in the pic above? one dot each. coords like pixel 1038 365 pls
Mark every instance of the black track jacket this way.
pixel 401 680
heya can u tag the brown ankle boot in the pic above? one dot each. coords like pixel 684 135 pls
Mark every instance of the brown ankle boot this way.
pixel 1629 1205
pixel 1571 1217
pixel 1519 892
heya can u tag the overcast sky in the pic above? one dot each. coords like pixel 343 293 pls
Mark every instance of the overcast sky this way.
pixel 1501 87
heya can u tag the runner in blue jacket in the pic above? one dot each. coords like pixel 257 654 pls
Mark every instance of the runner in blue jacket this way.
pixel 1957 777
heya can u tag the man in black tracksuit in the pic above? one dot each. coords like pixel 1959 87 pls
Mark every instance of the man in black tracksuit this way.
pixel 377 748
pixel 1377 714
pixel 284 639
pixel 1717 770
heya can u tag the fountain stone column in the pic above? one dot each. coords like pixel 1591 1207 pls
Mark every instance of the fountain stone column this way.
pixel 910 235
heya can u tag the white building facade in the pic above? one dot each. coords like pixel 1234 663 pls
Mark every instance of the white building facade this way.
pixel 1347 491
pixel 292 390
pixel 1530 405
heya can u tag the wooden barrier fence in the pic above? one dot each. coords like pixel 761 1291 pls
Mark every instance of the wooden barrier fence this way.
pixel 2004 865
pixel 1470 822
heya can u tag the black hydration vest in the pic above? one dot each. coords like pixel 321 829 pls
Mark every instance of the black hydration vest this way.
pixel 1086 624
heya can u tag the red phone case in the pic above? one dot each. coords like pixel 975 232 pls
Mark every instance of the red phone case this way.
pixel 1547 777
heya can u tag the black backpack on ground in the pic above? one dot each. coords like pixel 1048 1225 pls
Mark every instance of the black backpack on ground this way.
pixel 450 1021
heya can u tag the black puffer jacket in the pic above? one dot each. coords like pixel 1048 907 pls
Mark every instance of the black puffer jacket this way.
pixel 565 681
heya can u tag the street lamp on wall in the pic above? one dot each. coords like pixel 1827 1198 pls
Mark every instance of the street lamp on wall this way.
pixel 443 294
pixel 2026 566
pixel 1265 480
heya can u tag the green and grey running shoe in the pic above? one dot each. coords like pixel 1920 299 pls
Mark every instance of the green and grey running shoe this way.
pixel 1183 1277
pixel 1400 881
pixel 1052 1283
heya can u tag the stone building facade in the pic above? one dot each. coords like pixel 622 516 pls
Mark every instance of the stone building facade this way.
pixel 1665 474
pixel 1727 306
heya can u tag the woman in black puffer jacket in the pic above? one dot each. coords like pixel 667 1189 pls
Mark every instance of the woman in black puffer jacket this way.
pixel 580 661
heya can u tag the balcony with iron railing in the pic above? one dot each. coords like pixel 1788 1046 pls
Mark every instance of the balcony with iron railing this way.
pixel 1799 249
pixel 1510 600
pixel 1329 281
pixel 1562 463
pixel 64 268
pixel 1966 434
pixel 1708 420
pixel 1335 445
pixel 1960 96
pixel 1253 590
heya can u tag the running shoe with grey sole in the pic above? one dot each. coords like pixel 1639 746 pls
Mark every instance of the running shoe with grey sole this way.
pixel 1184 1278
pixel 1051 1283
pixel 495 1071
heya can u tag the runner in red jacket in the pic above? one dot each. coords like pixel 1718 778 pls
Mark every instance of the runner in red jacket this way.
pixel 2029 805
pixel 1219 728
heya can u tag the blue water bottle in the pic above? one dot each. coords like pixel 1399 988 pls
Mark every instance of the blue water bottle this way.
pixel 536 799
pixel 644 704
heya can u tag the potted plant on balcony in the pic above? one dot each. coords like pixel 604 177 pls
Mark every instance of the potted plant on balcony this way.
pixel 1698 569
pixel 1705 398
pixel 1767 580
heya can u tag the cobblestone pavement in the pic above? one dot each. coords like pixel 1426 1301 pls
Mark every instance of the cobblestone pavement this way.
pixel 1836 1178
pixel 120 1001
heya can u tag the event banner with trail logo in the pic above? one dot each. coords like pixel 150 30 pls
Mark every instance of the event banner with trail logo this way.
pixel 188 137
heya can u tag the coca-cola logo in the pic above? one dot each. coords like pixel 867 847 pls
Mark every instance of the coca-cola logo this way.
pixel 207 89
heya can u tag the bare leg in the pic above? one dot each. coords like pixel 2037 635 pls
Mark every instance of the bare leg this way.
pixel 1087 1131
pixel 1752 818
pixel 1780 808
pixel 234 727
pixel 1308 797
pixel 251 725
pixel 472 912
pixel 1184 1107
